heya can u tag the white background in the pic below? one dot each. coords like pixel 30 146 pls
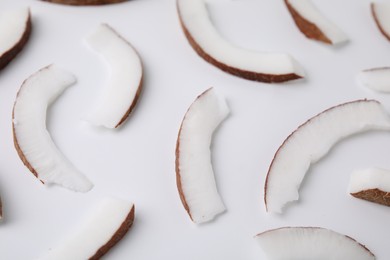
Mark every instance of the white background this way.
pixel 136 162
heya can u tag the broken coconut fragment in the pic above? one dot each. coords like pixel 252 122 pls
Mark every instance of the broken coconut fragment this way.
pixel 103 229
pixel 211 46
pixel 311 141
pixel 371 184
pixel 31 138
pixel 85 2
pixel 313 24
pixel 194 172
pixel 376 79
pixel 15 29
pixel 381 14
pixel 121 94
pixel 308 243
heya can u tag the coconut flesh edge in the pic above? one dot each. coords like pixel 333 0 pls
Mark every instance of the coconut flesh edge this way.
pixel 310 12
pixel 196 171
pixel 308 243
pixel 12 26
pixel 311 141
pixel 126 73
pixel 32 137
pixel 95 231
pixel 376 79
pixel 382 13
pixel 195 17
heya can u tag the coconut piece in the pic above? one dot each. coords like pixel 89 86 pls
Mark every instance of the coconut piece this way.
pixel 381 14
pixel 107 224
pixel 15 29
pixel 313 24
pixel 377 79
pixel 31 138
pixel 122 92
pixel 85 2
pixel 311 141
pixel 371 184
pixel 307 243
pixel 194 172
pixel 211 46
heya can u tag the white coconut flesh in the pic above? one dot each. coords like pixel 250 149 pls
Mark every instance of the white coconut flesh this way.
pixel 376 79
pixel 309 243
pixel 125 67
pixel 371 178
pixel 194 16
pixel 311 141
pixel 97 229
pixel 193 156
pixel 31 135
pixel 310 12
pixel 13 24
pixel 381 13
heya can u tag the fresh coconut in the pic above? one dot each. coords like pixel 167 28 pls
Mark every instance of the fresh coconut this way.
pixel 381 14
pixel 377 79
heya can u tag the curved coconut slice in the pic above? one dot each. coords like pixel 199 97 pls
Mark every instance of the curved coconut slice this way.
pixel 308 243
pixel 32 141
pixel 85 2
pixel 123 90
pixel 377 79
pixel 194 171
pixel 371 184
pixel 106 226
pixel 311 141
pixel 206 41
pixel 15 29
pixel 381 14
pixel 313 24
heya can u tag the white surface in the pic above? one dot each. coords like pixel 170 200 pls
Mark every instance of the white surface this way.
pixel 312 140
pixel 370 178
pixel 103 221
pixel 126 73
pixel 12 26
pixel 382 11
pixel 197 180
pixel 35 96
pixel 309 11
pixel 377 79
pixel 137 163
pixel 310 243
pixel 197 21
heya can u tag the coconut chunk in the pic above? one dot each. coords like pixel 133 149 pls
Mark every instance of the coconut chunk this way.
pixel 85 2
pixel 121 94
pixel 15 29
pixel 381 14
pixel 211 46
pixel 106 225
pixel 313 24
pixel 31 138
pixel 371 184
pixel 194 171
pixel 309 243
pixel 376 79
pixel 311 141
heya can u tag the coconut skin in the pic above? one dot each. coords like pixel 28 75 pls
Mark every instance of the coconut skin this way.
pixel 310 30
pixel 9 55
pixel 250 75
pixel 381 29
pixel 374 195
pixel 119 234
pixel 84 2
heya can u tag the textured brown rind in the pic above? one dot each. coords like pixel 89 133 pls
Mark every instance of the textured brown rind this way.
pixel 310 30
pixel 374 195
pixel 119 234
pixel 255 76
pixel 286 140
pixel 9 55
pixel 373 12
pixel 84 2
